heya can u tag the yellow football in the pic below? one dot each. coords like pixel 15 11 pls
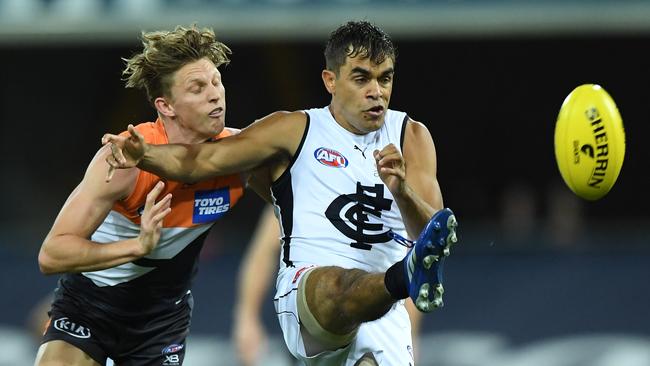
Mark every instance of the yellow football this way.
pixel 589 141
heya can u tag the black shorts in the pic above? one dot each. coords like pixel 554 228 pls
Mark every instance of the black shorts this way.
pixel 135 340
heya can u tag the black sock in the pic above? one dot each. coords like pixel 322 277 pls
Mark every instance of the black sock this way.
pixel 395 282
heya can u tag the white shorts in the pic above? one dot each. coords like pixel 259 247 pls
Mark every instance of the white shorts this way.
pixel 388 338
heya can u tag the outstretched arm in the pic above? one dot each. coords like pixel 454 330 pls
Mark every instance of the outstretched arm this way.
pixel 67 247
pixel 255 277
pixel 411 177
pixel 279 133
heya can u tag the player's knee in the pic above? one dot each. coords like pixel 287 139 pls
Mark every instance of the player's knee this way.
pixel 321 328
pixel 326 291
pixel 332 282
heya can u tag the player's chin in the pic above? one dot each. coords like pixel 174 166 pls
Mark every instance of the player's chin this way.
pixel 373 122
pixel 216 125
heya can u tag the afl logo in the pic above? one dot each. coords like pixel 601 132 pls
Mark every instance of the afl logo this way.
pixel 331 158
pixel 172 348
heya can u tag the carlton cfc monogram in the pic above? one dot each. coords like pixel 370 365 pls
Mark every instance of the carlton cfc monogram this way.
pixel 357 214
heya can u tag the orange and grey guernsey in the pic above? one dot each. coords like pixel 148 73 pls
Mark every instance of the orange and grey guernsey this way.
pixel 165 274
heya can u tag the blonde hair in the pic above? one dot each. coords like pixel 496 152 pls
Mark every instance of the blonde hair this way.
pixel 165 52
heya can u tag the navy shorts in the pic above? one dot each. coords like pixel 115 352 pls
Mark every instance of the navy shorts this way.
pixel 144 339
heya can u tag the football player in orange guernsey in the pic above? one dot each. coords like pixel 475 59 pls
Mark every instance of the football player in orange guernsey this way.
pixel 129 247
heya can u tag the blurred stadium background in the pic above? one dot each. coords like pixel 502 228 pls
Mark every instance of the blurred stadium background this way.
pixel 541 277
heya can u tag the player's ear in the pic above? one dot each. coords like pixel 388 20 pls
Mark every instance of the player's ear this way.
pixel 329 79
pixel 164 107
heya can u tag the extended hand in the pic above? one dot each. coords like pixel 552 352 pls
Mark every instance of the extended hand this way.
pixel 126 151
pixel 152 218
pixel 391 167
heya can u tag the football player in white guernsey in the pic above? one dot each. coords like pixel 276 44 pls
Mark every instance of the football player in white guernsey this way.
pixel 349 182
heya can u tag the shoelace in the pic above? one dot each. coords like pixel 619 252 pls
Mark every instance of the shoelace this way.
pixel 400 239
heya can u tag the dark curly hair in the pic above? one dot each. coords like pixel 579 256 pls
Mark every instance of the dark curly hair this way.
pixel 358 38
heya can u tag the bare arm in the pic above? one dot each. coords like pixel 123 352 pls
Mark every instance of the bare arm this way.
pixel 279 133
pixel 255 277
pixel 411 178
pixel 67 247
